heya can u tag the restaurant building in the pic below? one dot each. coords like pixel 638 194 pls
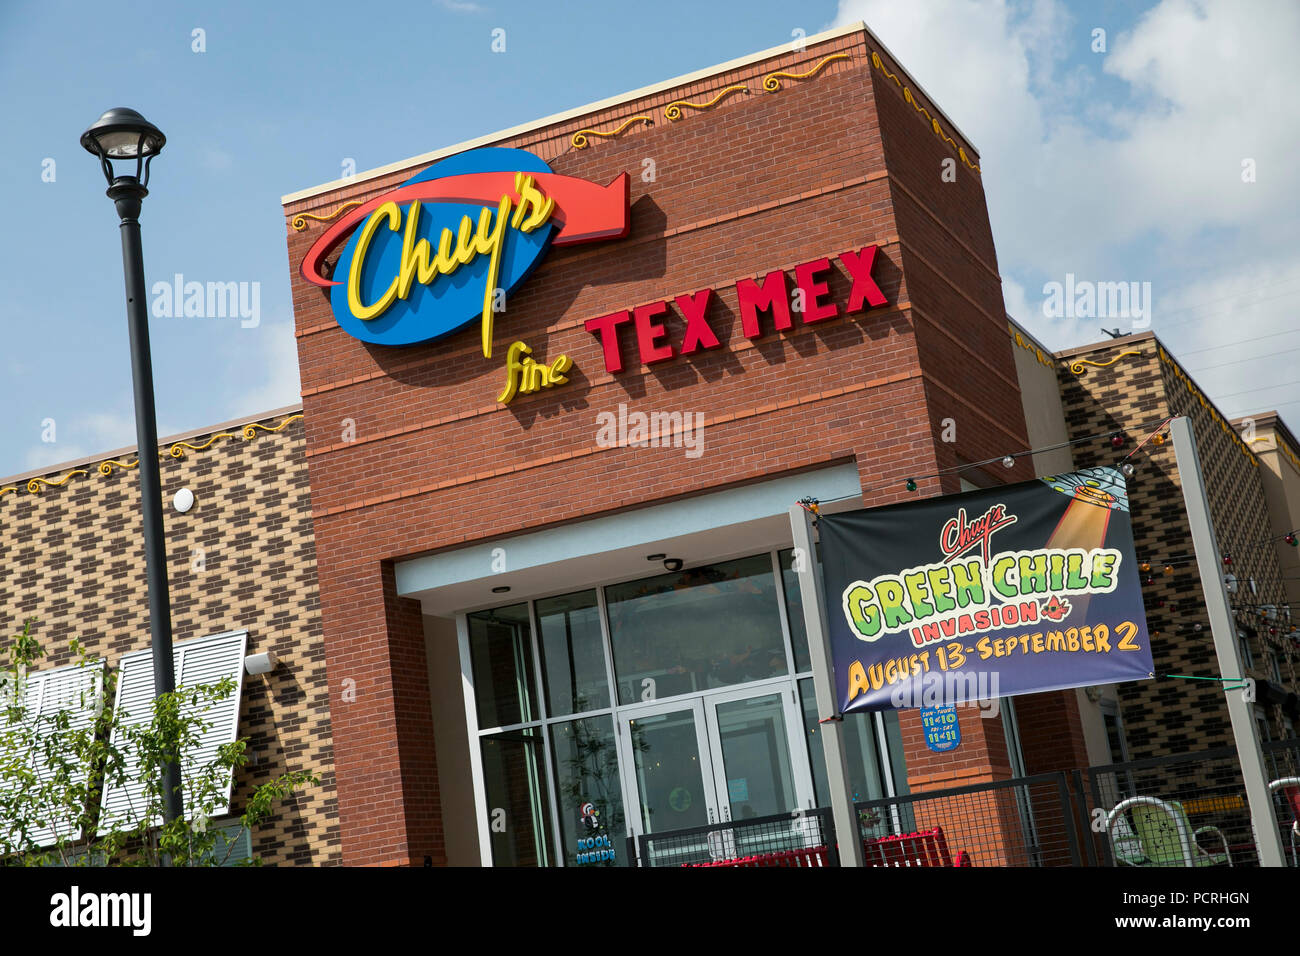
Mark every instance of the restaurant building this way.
pixel 241 571
pixel 528 563
pixel 569 609
pixel 1129 385
pixel 808 284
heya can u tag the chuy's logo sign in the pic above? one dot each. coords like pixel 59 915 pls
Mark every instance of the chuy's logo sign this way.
pixel 449 244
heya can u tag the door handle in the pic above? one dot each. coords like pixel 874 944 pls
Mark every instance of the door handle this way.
pixel 711 820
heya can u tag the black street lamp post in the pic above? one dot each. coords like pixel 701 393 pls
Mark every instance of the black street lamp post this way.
pixel 123 134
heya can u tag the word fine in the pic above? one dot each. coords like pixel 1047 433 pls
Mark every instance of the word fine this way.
pixel 931 592
pixel 653 430
pixel 771 296
pixel 594 849
pixel 75 909
pixel 525 376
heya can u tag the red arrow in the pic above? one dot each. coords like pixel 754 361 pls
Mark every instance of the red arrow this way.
pixel 585 211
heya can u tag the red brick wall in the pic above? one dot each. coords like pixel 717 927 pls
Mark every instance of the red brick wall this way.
pixel 762 181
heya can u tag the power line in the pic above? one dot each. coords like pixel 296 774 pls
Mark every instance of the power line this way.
pixel 911 480
pixel 1228 345
pixel 1199 307
pixel 1253 358
pixel 1262 388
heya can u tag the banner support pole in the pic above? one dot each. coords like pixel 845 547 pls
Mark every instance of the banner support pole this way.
pixel 830 725
pixel 1268 839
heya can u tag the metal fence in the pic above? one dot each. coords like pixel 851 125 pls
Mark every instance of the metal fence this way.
pixel 1187 810
pixel 738 839
pixel 1028 821
pixel 1184 810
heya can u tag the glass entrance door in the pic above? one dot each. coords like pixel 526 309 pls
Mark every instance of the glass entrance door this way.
pixel 667 754
pixel 729 756
pixel 756 753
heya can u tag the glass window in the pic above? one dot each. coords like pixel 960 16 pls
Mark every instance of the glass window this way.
pixel 573 654
pixel 669 774
pixel 756 756
pixel 1243 645
pixel 1115 737
pixel 588 792
pixel 518 817
pixel 693 630
pixel 860 746
pixel 501 657
pixel 1264 735
pixel 794 611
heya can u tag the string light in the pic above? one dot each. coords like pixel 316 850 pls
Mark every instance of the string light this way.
pixel 911 482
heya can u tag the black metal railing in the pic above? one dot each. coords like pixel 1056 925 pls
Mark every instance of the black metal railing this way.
pixel 1028 821
pixel 737 839
pixel 1181 810
pixel 1186 809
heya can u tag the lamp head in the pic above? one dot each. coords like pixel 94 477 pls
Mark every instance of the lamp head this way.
pixel 123 134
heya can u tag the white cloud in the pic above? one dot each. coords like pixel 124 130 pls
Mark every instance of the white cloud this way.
pixel 85 437
pixel 274 381
pixel 46 455
pixel 1127 166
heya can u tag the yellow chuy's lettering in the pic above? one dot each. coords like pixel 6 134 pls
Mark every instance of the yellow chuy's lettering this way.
pixel 415 265
pixel 491 242
pixel 455 249
pixel 534 208
pixel 388 211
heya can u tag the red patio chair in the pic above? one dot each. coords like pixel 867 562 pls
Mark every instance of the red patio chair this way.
pixel 1290 788
pixel 924 848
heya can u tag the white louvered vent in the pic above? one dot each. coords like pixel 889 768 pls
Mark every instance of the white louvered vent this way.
pixel 204 660
pixel 76 689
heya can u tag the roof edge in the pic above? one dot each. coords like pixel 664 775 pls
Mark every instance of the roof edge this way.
pixel 166 440
pixel 1106 344
pixel 555 118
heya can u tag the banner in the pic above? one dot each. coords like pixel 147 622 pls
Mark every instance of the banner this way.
pixel 991 593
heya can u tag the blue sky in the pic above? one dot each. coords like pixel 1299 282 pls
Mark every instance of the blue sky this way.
pixel 1122 165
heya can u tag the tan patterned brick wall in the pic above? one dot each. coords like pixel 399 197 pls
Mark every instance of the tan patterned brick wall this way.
pixel 1132 393
pixel 72 556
